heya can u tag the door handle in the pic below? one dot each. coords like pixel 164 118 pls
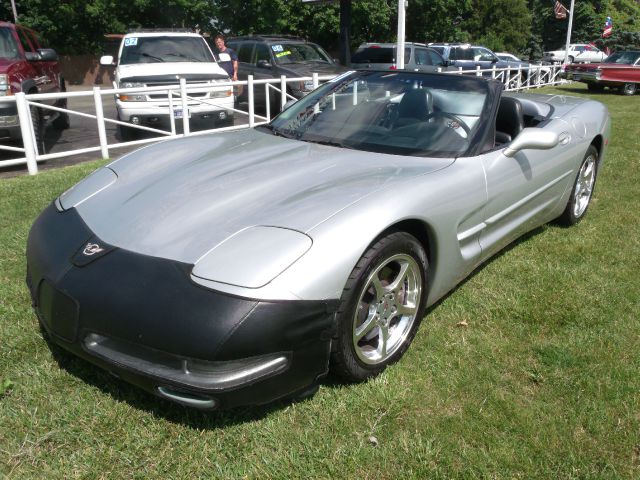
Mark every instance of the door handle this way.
pixel 564 138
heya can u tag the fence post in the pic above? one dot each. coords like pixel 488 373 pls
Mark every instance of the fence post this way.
pixel 519 83
pixel 172 119
pixel 314 81
pixel 252 119
pixel 185 107
pixel 478 73
pixel 283 89
pixel 493 71
pixel 102 134
pixel 26 129
pixel 267 100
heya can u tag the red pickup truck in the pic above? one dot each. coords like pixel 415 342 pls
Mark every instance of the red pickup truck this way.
pixel 25 66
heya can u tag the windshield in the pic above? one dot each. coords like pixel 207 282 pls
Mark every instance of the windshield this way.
pixel 625 58
pixel 8 45
pixel 403 113
pixel 164 49
pixel 286 53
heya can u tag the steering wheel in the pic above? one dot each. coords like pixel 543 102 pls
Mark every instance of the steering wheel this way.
pixel 437 113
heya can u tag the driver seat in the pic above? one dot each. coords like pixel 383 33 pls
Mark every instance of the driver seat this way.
pixel 416 105
pixel 510 120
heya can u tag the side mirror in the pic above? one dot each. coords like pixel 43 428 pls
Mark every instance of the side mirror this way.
pixel 495 60
pixel 47 55
pixel 263 64
pixel 107 61
pixel 531 138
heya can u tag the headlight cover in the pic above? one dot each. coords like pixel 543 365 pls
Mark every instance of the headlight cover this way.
pixel 5 86
pixel 132 97
pixel 252 257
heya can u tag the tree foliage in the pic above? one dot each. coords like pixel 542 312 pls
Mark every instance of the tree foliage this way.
pixel 522 26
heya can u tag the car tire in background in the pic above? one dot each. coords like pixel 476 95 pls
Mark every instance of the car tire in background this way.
pixel 628 89
pixel 582 190
pixel 381 307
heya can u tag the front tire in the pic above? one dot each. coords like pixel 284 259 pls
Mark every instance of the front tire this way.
pixel 38 129
pixel 381 307
pixel 582 190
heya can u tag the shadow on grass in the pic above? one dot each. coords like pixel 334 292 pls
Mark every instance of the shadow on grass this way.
pixel 122 391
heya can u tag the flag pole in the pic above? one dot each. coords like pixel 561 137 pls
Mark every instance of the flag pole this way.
pixel 566 47
pixel 402 5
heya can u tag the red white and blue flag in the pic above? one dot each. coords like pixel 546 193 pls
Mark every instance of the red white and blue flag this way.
pixel 608 28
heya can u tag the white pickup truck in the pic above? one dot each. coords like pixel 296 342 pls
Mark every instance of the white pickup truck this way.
pixel 162 58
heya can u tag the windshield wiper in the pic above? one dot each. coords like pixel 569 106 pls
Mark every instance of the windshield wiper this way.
pixel 326 142
pixel 275 131
pixel 152 56
pixel 182 55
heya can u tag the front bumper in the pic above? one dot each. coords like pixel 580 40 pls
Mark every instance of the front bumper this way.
pixel 9 121
pixel 157 113
pixel 143 319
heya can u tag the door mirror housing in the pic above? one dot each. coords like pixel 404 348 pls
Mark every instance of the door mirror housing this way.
pixel 107 61
pixel 263 64
pixel 532 138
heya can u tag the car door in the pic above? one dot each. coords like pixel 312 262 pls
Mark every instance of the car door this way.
pixel 462 57
pixel 521 190
pixel 423 61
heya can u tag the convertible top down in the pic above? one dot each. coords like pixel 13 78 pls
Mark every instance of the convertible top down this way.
pixel 238 268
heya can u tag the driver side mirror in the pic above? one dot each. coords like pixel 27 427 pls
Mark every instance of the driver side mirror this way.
pixel 531 138
pixel 263 64
pixel 107 61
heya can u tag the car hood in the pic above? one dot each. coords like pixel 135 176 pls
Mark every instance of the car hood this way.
pixel 586 67
pixel 306 69
pixel 178 199
pixel 169 68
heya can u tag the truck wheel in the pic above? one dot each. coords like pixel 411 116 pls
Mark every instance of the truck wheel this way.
pixel 38 130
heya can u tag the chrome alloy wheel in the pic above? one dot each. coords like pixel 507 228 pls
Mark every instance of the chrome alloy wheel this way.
pixel 584 186
pixel 387 309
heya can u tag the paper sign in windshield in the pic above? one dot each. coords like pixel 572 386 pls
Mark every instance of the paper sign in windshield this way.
pixel 277 48
pixel 131 41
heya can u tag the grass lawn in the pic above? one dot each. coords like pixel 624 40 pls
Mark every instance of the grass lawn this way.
pixel 544 382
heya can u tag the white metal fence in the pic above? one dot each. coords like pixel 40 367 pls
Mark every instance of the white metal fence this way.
pixel 183 96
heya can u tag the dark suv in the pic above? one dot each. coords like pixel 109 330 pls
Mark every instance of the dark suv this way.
pixel 267 56
pixel 26 66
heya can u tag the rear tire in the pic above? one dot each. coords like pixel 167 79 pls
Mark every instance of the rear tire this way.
pixel 381 307
pixel 628 89
pixel 582 190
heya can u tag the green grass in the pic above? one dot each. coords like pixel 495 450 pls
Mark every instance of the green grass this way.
pixel 544 381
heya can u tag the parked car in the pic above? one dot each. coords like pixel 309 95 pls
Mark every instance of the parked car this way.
pixel 578 53
pixel 382 56
pixel 27 66
pixel 162 58
pixel 620 70
pixel 268 56
pixel 240 267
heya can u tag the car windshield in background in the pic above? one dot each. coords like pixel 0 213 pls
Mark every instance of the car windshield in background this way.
pixel 623 58
pixel 379 55
pixel 299 53
pixel 8 45
pixel 401 113
pixel 164 49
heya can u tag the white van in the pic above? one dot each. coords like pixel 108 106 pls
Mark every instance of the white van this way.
pixel 161 58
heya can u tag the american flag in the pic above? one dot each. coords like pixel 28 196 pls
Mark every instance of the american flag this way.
pixel 560 11
pixel 608 28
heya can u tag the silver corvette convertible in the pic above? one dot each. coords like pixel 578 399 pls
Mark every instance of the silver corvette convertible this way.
pixel 238 268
